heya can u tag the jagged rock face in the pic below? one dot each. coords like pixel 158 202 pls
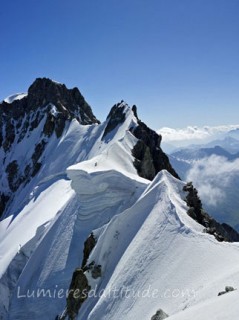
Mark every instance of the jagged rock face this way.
pixel 79 287
pixel 4 198
pixel 48 104
pixel 149 157
pixel 78 293
pixel 222 232
pixel 88 247
pixel 115 118
pixel 69 102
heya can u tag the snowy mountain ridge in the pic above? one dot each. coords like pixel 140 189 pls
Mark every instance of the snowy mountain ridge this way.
pixel 104 211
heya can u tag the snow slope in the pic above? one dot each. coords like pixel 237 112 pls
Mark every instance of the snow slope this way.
pixel 154 248
pixel 49 197
pixel 218 308
pixel 152 254
pixel 19 237
pixel 78 142
pixel 98 197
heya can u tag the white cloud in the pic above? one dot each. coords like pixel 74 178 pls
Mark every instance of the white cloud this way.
pixel 194 134
pixel 211 176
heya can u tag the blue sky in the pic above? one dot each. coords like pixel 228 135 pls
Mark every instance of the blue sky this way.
pixel 177 60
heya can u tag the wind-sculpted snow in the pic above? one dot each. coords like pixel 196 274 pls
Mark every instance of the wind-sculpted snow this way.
pixel 154 255
pixel 17 96
pixel 99 196
pixel 36 204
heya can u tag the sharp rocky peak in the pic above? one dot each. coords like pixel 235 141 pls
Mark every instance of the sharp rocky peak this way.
pixel 44 93
pixel 69 102
pixel 149 157
pixel 45 110
pixel 116 117
pixel 45 98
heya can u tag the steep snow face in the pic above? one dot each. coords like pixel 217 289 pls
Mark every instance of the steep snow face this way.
pixel 154 256
pixel 99 196
pixel 35 153
pixel 78 143
pixel 50 195
pixel 46 200
pixel 20 236
pixel 51 158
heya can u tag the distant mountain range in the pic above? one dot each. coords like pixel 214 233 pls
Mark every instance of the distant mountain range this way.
pixel 197 153
pixel 225 136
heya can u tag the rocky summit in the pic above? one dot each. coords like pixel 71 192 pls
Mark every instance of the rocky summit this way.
pixel 49 106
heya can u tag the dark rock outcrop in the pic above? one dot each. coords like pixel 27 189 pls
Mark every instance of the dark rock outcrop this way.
pixel 96 271
pixel 115 118
pixel 227 289
pixel 69 102
pixel 4 198
pixel 222 232
pixel 143 160
pixel 149 157
pixel 78 293
pixel 160 315
pixel 79 287
pixel 13 177
pixel 194 203
pixel 89 245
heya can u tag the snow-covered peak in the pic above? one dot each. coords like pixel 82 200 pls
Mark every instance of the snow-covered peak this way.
pixel 14 97
pixel 120 115
pixel 57 82
pixel 153 255
pixel 64 177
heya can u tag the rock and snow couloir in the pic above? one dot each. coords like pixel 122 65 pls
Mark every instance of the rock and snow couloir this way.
pixel 111 179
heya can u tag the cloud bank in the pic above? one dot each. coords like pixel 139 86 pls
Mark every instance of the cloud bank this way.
pixel 195 133
pixel 211 176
